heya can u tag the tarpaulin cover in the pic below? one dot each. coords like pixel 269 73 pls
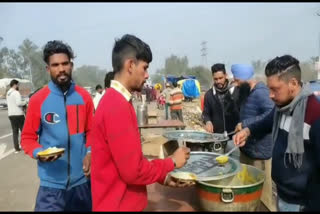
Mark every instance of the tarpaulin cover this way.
pixel 190 89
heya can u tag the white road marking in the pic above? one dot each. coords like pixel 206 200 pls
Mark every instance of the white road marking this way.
pixel 2 149
pixel 4 136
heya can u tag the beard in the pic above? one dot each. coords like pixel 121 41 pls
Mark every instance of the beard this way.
pixel 220 86
pixel 244 92
pixel 63 81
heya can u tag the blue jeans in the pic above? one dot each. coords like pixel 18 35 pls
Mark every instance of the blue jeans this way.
pixel 287 207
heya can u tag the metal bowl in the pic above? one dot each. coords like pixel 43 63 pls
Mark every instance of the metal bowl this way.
pixel 199 141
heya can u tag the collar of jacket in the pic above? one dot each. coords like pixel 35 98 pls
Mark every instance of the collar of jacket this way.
pixel 231 90
pixel 116 85
pixel 54 88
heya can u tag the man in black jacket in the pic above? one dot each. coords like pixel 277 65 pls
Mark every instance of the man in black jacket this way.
pixel 221 111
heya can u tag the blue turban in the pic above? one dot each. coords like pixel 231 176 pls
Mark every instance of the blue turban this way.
pixel 242 71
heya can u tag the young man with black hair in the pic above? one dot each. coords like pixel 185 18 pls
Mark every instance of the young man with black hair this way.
pixel 221 112
pixel 15 112
pixel 60 115
pixel 295 125
pixel 120 172
pixel 107 80
pixel 97 97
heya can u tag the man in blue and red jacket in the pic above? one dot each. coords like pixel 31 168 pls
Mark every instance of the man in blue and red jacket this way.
pixel 60 115
pixel 295 125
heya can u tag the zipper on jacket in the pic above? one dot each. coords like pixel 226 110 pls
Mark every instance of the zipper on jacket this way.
pixel 77 119
pixel 65 105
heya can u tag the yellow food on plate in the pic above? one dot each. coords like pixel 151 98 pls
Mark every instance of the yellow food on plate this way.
pixel 222 159
pixel 51 150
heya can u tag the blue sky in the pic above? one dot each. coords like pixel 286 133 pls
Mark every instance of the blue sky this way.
pixel 235 32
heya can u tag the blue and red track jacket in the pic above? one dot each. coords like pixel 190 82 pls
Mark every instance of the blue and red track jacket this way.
pixel 61 121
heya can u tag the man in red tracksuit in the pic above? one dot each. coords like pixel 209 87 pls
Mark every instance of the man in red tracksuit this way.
pixel 119 171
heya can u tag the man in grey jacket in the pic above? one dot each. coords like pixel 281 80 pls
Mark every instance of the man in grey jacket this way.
pixel 15 112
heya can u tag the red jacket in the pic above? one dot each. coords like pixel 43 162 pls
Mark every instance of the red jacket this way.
pixel 119 171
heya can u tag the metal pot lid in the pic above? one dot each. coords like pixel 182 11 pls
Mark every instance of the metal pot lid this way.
pixel 206 168
pixel 195 136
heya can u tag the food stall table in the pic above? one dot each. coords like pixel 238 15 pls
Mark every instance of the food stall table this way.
pixel 177 124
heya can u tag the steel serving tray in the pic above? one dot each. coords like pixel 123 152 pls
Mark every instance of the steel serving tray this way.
pixel 206 168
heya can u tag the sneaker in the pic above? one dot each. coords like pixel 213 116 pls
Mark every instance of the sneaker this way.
pixel 16 152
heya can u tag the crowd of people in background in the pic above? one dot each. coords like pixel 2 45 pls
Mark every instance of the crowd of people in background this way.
pixel 103 169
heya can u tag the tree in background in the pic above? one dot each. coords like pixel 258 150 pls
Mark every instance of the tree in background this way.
pixel 157 77
pixel 203 75
pixel 33 65
pixel 27 63
pixel 259 66
pixel 89 75
pixel 308 69
pixel 28 59
pixel 176 66
pixel 179 67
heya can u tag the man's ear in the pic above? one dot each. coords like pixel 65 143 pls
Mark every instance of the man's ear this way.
pixel 71 64
pixel 128 65
pixel 48 69
pixel 293 82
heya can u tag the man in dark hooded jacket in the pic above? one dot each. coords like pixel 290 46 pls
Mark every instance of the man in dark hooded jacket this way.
pixel 221 112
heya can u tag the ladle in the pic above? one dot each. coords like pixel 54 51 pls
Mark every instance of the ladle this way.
pixel 222 159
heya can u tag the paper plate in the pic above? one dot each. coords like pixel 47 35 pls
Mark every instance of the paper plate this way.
pixel 50 152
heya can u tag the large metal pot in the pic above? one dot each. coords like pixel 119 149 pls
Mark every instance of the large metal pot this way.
pixel 142 114
pixel 240 192
pixel 199 141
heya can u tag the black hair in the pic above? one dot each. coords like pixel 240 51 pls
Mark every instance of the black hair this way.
pixel 285 66
pixel 129 46
pixel 107 80
pixel 14 82
pixel 98 87
pixel 218 67
pixel 56 47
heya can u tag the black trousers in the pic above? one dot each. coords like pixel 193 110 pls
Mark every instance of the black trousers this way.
pixel 17 122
